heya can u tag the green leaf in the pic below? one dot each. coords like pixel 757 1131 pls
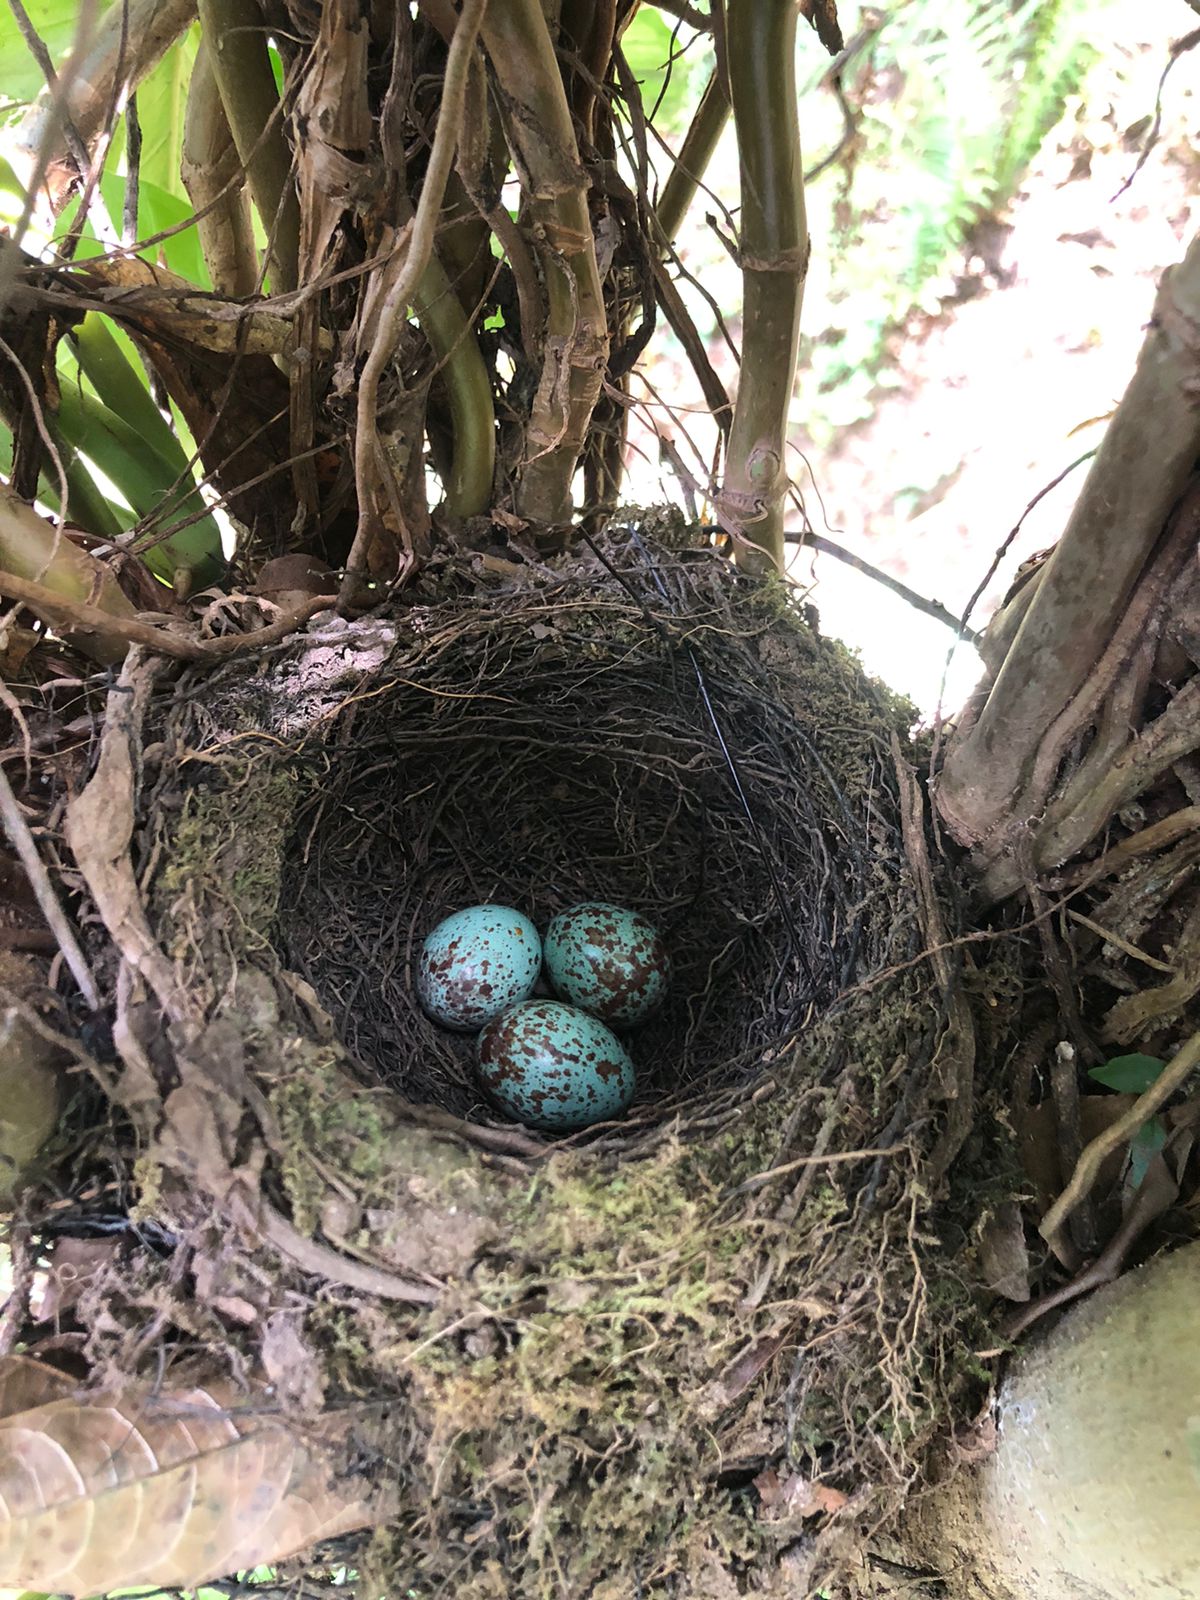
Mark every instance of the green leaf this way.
pixel 666 76
pixel 162 106
pixel 1129 1074
pixel 157 211
pixel 55 22
pixel 1143 1147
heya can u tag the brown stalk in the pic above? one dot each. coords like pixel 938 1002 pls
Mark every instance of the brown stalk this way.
pixel 541 137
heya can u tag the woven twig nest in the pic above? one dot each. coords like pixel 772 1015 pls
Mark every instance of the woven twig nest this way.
pixel 596 1342
pixel 593 738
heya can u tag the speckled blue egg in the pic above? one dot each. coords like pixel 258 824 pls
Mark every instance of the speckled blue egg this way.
pixel 551 1066
pixel 475 963
pixel 610 961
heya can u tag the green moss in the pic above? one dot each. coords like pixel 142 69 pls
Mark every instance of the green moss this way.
pixel 319 1117
pixel 227 846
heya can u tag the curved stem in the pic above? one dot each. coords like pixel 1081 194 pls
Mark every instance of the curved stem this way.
pixel 237 37
pixel 774 248
pixel 444 323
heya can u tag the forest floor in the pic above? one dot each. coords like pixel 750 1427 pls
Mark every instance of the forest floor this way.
pixel 989 400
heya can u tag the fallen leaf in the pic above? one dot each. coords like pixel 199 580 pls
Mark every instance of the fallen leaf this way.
pixel 174 1488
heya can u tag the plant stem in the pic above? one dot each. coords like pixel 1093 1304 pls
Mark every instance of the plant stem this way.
pixel 700 142
pixel 774 249
pixel 211 175
pixel 575 338
pixel 468 387
pixel 237 36
pixel 127 44
pixel 421 234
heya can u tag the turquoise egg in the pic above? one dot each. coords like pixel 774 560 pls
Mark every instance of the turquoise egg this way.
pixel 475 963
pixel 552 1066
pixel 610 961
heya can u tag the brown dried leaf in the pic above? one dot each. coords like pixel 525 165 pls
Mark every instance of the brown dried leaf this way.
pixel 1003 1255
pixel 796 1496
pixel 107 1490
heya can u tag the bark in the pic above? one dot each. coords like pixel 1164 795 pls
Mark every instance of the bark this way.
pixel 1134 484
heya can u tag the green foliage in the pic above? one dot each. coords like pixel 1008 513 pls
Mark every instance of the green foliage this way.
pixel 1134 1074
pixel 670 75
pixel 162 104
pixel 1131 1074
pixel 55 22
pixel 1143 1147
pixel 953 99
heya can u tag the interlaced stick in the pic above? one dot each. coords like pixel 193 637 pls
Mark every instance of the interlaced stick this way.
pixel 421 234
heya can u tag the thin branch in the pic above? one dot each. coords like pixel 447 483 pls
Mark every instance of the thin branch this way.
pixel 695 18
pixel 931 608
pixel 421 233
pixel 56 919
pixel 80 617
pixel 1178 50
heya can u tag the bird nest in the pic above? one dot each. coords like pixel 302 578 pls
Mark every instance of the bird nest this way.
pixel 744 1274
pixel 619 735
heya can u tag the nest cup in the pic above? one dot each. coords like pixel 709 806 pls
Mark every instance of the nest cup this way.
pixel 652 730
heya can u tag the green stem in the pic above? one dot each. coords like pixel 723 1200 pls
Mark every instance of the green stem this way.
pixel 210 170
pixel 237 35
pixel 774 248
pixel 451 337
pixel 699 144
pixel 575 336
